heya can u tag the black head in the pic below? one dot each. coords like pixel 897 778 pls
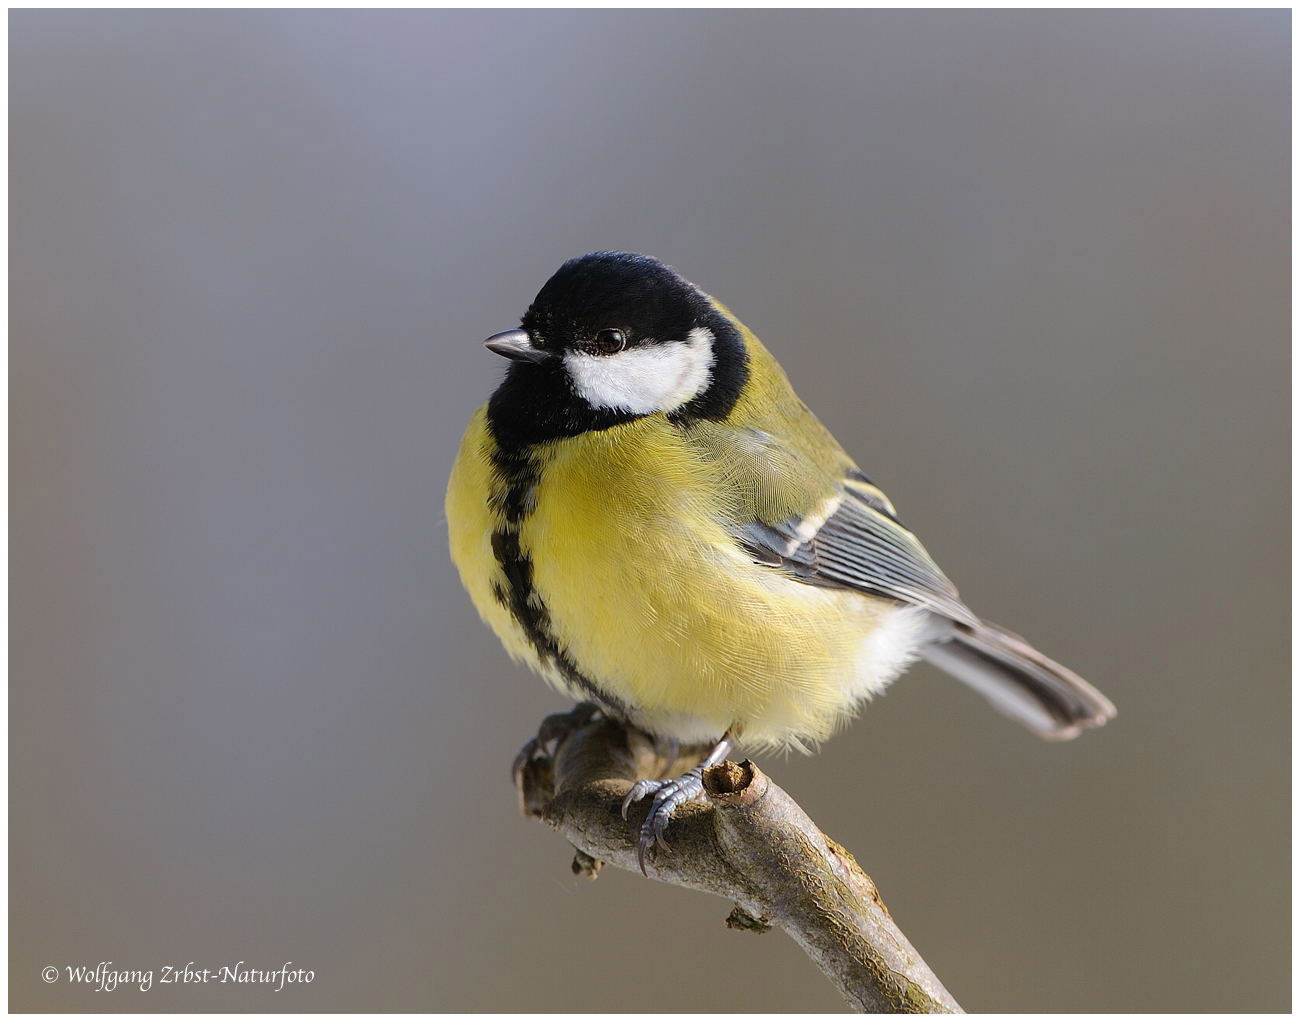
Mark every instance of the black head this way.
pixel 644 299
pixel 613 337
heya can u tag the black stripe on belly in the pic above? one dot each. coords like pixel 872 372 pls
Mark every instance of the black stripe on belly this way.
pixel 514 500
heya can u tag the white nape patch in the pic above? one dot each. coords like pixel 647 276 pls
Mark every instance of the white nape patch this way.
pixel 890 648
pixel 645 379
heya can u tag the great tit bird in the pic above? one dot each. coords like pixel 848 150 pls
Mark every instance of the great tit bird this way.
pixel 647 515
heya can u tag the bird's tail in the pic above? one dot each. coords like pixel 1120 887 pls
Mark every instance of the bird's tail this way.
pixel 1019 681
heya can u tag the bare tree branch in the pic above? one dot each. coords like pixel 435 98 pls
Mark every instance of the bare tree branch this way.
pixel 751 844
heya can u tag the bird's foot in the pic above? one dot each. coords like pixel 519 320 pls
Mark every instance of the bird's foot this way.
pixel 669 796
pixel 551 734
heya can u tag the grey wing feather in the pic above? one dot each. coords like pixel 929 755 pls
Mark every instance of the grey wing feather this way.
pixel 860 545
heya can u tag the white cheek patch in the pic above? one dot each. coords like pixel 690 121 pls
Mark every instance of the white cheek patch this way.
pixel 645 380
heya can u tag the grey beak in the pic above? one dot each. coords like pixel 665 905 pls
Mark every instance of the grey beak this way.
pixel 514 344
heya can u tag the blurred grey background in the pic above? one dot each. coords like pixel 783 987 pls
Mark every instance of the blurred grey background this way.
pixel 1033 270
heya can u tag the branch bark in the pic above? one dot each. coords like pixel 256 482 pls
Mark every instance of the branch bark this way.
pixel 751 844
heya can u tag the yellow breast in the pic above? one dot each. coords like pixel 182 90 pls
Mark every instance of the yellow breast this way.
pixel 644 591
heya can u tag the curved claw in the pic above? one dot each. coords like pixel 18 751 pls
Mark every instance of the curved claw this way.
pixel 637 792
pixel 526 754
pixel 668 797
pixel 658 823
pixel 553 730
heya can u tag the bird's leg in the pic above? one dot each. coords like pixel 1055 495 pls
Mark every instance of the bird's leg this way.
pixel 668 750
pixel 669 795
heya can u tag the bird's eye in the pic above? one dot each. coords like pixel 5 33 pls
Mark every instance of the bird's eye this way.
pixel 610 342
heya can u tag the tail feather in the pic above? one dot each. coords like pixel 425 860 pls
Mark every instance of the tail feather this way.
pixel 1019 681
